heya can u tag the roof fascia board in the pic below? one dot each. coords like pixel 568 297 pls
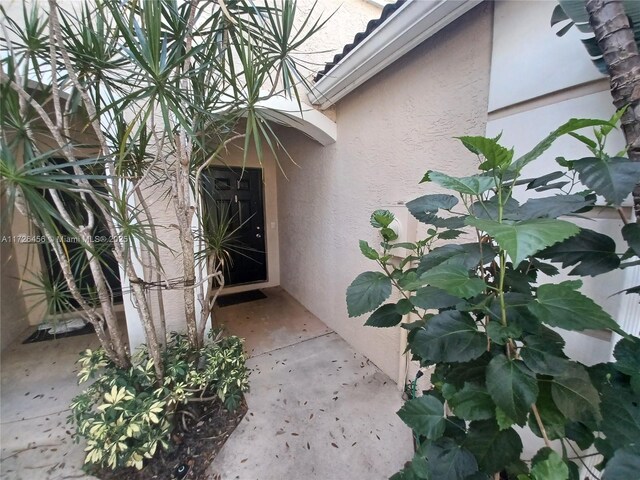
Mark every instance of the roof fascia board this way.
pixel 410 25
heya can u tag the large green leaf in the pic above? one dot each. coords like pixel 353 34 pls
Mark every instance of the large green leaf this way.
pixel 458 374
pixel 624 465
pixel 621 417
pixel 493 448
pixel 552 418
pixel 517 313
pixel 503 420
pixel 488 209
pixel 543 355
pixel 500 334
pixel 512 387
pixel 525 238
pixel 559 305
pixel 575 396
pixel 455 280
pixel 381 218
pixel 409 280
pixel 433 298
pixel 469 255
pixel 495 154
pixel 419 466
pixel 593 253
pixel 407 473
pixel 613 178
pixel 627 355
pixel 385 316
pixel 551 468
pixel 424 208
pixel 450 336
pixel 448 461
pixel 543 180
pixel 473 185
pixel 550 207
pixel 579 433
pixel 367 292
pixel 570 126
pixel 425 416
pixel 367 251
pixel 472 402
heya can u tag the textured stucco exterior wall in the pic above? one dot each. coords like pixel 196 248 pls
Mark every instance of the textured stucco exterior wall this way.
pixel 527 103
pixel 351 18
pixel 390 131
pixel 165 222
pixel 13 312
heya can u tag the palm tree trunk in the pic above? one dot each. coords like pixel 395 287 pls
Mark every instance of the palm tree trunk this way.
pixel 620 51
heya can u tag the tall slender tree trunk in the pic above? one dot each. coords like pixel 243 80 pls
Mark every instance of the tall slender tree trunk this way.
pixel 617 42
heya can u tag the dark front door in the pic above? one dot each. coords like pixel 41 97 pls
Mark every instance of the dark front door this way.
pixel 233 197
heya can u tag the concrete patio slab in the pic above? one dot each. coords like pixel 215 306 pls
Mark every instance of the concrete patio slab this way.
pixel 38 383
pixel 271 323
pixel 317 410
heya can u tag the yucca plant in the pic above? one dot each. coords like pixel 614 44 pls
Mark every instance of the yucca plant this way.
pixel 135 96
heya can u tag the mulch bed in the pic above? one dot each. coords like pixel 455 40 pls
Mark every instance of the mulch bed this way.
pixel 193 448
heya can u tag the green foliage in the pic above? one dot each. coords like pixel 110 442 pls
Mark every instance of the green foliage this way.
pixel 126 415
pixel 103 101
pixel 425 415
pixel 367 292
pixel 480 313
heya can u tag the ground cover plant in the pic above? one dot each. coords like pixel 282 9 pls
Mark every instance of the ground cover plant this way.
pixel 485 308
pixel 126 415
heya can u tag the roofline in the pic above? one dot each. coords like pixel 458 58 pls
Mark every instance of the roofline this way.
pixel 410 25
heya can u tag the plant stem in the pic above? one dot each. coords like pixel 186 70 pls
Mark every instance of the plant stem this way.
pixel 393 280
pixel 536 414
pixel 581 459
pixel 503 308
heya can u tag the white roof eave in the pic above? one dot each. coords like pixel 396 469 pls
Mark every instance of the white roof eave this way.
pixel 307 120
pixel 410 25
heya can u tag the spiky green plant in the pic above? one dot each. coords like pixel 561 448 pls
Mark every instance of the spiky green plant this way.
pixel 134 96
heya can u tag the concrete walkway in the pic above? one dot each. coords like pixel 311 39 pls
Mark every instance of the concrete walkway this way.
pixel 38 383
pixel 317 410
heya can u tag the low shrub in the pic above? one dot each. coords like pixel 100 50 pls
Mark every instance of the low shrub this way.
pixel 485 314
pixel 127 414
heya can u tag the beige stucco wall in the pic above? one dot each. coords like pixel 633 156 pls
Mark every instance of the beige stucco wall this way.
pixel 390 131
pixel 351 18
pixel 25 252
pixel 551 80
pixel 13 311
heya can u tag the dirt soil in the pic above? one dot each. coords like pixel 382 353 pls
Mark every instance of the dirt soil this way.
pixel 208 425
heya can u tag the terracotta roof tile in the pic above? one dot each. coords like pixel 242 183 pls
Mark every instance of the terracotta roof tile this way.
pixel 387 11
